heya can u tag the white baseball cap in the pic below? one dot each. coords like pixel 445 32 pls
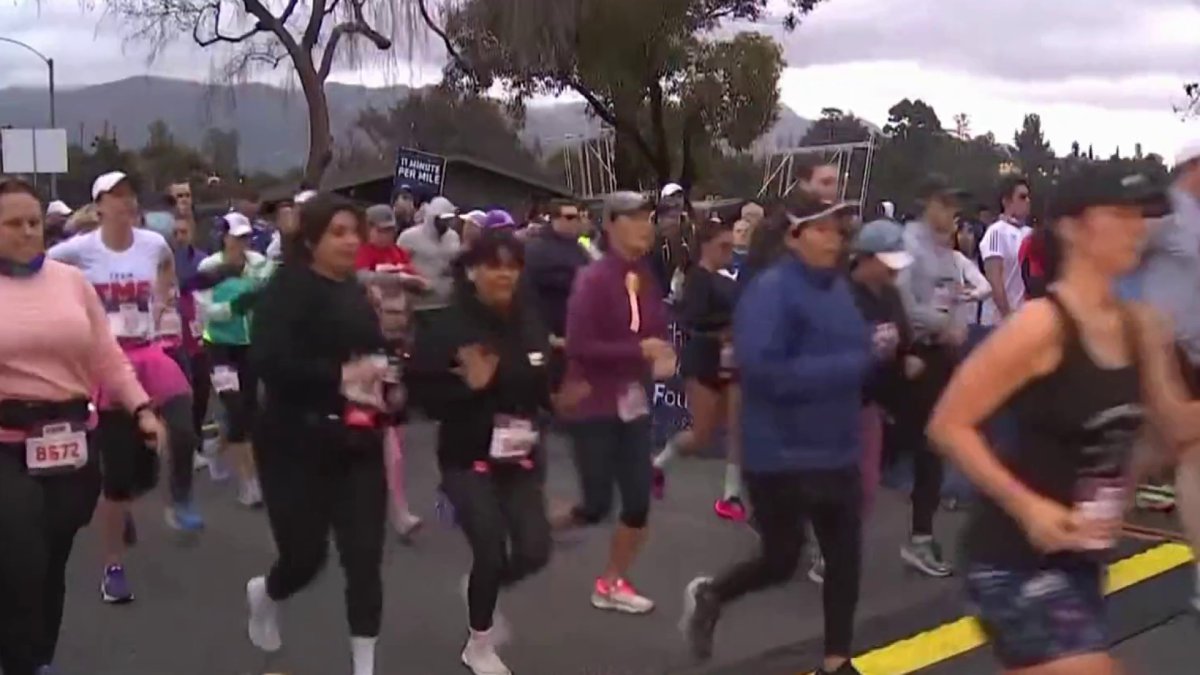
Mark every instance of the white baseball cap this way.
pixel 1189 152
pixel 237 225
pixel 670 189
pixel 58 208
pixel 106 183
pixel 303 196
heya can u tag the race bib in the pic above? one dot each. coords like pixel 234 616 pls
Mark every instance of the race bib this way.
pixel 632 404
pixel 392 374
pixel 58 448
pixel 945 295
pixel 170 323
pixel 513 438
pixel 129 322
pixel 1100 500
pixel 225 379
pixel 367 393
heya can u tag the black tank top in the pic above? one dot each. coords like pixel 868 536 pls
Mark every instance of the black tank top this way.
pixel 1077 427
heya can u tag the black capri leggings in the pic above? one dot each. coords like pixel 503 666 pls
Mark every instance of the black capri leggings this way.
pixel 503 515
pixel 241 403
pixel 39 516
pixel 609 451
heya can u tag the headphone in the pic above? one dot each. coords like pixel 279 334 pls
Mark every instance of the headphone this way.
pixel 16 270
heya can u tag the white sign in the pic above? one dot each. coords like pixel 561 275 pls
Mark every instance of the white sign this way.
pixel 33 150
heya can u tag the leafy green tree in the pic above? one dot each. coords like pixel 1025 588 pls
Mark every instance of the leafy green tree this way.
pixel 664 80
pixel 163 160
pixel 836 126
pixel 1034 153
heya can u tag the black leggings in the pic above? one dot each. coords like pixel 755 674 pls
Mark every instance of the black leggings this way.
pixel 201 377
pixel 241 405
pixel 39 517
pixel 782 502
pixel 912 416
pixel 503 515
pixel 315 481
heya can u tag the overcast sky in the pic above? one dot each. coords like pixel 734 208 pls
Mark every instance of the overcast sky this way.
pixel 1103 72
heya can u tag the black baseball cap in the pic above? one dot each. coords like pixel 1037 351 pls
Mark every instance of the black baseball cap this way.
pixel 938 186
pixel 1105 184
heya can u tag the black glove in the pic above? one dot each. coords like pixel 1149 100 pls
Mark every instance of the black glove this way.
pixel 244 302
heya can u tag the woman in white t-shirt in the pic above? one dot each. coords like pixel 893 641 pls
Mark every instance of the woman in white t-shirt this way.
pixel 133 272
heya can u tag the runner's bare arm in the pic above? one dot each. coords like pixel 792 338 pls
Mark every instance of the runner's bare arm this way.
pixel 1025 347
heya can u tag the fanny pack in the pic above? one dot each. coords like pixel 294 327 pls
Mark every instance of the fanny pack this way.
pixel 51 436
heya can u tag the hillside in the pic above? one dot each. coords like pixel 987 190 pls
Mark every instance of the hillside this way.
pixel 271 121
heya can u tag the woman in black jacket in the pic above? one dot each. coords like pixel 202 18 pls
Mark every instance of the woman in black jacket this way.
pixel 319 439
pixel 480 370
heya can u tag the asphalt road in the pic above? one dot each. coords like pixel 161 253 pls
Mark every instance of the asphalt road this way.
pixel 189 617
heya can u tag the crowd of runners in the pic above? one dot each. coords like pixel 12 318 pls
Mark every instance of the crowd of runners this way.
pixel 820 348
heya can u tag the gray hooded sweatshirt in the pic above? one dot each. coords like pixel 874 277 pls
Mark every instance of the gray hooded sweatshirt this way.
pixel 931 286
pixel 432 255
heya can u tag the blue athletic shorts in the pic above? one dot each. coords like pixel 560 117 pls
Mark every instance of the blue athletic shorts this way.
pixel 1040 615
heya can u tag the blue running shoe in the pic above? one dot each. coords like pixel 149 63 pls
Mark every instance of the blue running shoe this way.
pixel 114 589
pixel 184 517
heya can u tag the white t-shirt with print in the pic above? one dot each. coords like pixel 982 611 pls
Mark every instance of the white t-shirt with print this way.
pixel 1003 240
pixel 124 280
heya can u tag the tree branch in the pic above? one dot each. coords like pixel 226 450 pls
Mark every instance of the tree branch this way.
pixel 287 11
pixel 268 21
pixel 214 10
pixel 358 26
pixel 312 32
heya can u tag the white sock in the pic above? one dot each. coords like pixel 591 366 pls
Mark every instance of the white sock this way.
pixel 363 651
pixel 733 481
pixel 668 453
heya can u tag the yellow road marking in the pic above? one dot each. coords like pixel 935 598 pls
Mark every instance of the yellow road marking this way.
pixel 957 637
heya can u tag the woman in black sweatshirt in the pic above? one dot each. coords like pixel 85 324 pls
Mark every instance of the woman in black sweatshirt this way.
pixel 318 442
pixel 480 370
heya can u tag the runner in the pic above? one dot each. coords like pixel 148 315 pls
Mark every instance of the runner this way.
pixel 616 340
pixel 133 271
pixel 879 256
pixel 707 368
pixel 387 271
pixel 226 311
pixel 481 371
pixel 935 295
pixel 1078 368
pixel 553 257
pixel 433 244
pixel 55 349
pixel 803 354
pixel 319 441
pixel 1000 251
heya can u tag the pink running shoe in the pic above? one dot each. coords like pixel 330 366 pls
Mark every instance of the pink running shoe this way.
pixel 658 488
pixel 731 509
pixel 620 596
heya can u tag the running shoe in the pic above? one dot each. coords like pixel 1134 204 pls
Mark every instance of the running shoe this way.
pixel 658 488
pixel 199 462
pixel 925 556
pixel 184 517
pixel 816 571
pixel 620 596
pixel 114 588
pixel 263 623
pixel 129 534
pixel 480 656
pixel 701 611
pixel 1155 498
pixel 846 669
pixel 250 494
pixel 407 525
pixel 731 509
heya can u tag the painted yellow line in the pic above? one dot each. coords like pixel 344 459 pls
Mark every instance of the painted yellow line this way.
pixel 957 637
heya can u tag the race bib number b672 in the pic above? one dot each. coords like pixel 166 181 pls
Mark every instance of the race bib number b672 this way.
pixel 57 448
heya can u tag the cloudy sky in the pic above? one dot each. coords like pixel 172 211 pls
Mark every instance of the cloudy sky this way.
pixel 1103 72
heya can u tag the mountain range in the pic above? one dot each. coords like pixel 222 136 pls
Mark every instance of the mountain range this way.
pixel 271 121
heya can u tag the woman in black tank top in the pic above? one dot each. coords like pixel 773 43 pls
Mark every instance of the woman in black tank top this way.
pixel 1080 372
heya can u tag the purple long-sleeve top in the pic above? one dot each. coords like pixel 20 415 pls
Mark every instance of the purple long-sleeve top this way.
pixel 602 349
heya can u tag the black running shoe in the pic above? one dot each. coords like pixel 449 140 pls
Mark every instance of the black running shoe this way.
pixel 701 610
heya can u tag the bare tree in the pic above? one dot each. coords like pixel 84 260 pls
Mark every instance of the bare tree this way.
pixel 310 35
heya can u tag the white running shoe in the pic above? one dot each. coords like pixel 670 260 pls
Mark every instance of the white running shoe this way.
pixel 620 596
pixel 250 494
pixel 362 649
pixel 480 655
pixel 263 624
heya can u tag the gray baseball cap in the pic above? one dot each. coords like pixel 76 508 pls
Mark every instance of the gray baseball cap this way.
pixel 625 203
pixel 884 240
pixel 381 216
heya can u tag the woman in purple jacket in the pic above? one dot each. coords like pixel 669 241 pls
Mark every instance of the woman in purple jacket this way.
pixel 616 343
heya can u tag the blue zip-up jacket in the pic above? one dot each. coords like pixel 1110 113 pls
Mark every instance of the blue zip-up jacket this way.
pixel 803 353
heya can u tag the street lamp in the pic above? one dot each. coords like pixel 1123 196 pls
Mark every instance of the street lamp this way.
pixel 49 65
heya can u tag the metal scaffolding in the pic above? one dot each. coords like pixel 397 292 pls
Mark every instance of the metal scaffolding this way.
pixel 588 165
pixel 779 176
